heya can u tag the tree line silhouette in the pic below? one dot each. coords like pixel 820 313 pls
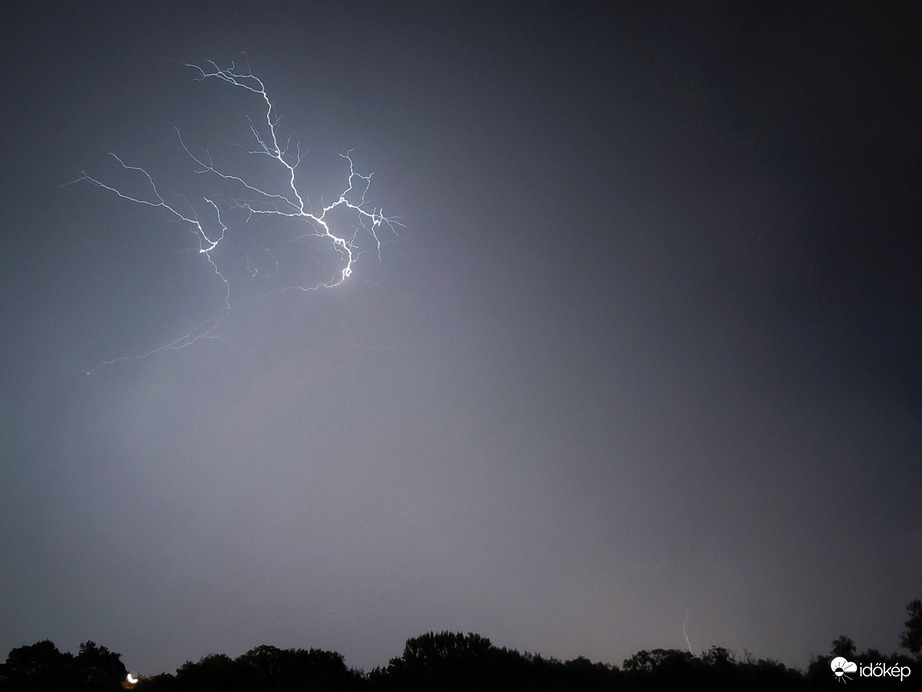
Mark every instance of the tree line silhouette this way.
pixel 453 662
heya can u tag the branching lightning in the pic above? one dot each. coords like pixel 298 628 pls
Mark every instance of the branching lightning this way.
pixel 287 200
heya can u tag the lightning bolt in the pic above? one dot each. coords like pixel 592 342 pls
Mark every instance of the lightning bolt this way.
pixel 287 201
pixel 685 634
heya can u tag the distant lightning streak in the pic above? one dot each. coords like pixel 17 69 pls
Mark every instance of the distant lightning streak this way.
pixel 685 633
pixel 288 201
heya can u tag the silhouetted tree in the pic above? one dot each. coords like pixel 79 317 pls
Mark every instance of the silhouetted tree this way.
pixel 844 646
pixel 765 674
pixel 447 660
pixel 164 682
pixel 657 659
pixel 271 668
pixel 718 656
pixel 38 667
pixel 912 638
pixel 662 669
pixel 432 650
pixel 582 674
pixel 264 665
pixel 214 672
pixel 454 661
pixel 97 668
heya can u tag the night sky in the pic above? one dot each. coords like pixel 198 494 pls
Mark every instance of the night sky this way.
pixel 644 357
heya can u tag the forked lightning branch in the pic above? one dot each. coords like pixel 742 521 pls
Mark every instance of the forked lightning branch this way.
pixel 249 199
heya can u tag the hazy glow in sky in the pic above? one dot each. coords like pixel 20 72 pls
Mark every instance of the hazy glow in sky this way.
pixel 640 371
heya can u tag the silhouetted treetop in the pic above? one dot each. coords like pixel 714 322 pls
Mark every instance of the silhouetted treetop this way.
pixel 912 638
pixel 449 662
pixel 42 667
pixel 844 646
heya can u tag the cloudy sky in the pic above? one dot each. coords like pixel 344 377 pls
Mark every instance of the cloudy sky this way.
pixel 642 363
